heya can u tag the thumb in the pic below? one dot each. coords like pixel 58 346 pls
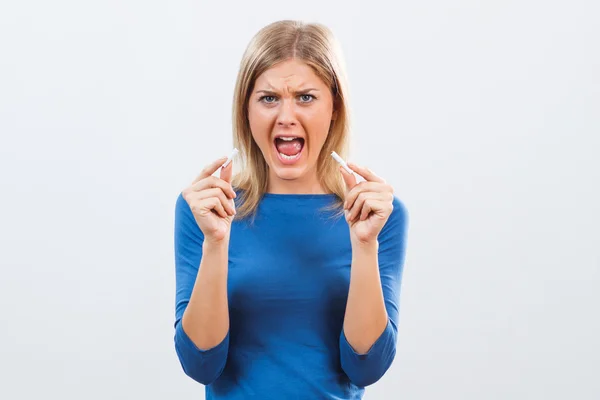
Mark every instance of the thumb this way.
pixel 349 178
pixel 227 172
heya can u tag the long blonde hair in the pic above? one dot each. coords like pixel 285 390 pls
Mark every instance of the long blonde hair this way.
pixel 315 45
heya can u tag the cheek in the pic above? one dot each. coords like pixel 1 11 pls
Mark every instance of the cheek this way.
pixel 260 122
pixel 317 123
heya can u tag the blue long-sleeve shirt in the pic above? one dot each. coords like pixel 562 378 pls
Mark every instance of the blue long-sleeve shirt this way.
pixel 288 281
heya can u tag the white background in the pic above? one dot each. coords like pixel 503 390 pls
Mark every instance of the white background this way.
pixel 485 116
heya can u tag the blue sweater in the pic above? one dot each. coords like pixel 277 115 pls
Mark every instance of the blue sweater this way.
pixel 288 281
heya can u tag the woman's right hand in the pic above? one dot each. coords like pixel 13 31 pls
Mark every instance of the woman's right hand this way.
pixel 210 199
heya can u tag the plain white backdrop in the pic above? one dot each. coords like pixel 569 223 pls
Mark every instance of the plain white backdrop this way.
pixel 485 116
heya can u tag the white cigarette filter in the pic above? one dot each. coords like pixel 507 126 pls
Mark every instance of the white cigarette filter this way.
pixel 341 161
pixel 230 158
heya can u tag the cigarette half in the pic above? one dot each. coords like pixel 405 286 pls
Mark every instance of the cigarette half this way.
pixel 230 158
pixel 341 162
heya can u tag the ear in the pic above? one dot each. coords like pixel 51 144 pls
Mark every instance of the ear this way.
pixel 334 114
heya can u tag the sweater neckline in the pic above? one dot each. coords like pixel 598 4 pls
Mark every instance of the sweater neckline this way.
pixel 300 196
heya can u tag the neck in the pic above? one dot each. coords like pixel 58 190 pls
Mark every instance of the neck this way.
pixel 308 185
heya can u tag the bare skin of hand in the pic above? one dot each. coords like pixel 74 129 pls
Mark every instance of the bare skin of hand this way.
pixel 368 204
pixel 211 200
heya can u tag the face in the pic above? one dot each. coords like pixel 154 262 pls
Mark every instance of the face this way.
pixel 290 111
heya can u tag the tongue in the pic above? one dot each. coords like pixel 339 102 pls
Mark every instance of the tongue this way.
pixel 289 148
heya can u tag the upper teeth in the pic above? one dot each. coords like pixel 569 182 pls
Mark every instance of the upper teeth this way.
pixel 287 139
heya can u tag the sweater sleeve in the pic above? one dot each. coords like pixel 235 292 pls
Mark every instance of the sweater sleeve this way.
pixel 366 369
pixel 203 366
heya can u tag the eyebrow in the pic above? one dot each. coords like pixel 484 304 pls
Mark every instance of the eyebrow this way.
pixel 269 92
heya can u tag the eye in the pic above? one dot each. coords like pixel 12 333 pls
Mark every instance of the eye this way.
pixel 267 99
pixel 307 98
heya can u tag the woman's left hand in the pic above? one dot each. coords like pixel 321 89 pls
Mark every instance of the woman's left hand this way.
pixel 368 204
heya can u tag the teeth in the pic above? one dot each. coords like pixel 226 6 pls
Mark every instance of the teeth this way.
pixel 287 139
pixel 286 157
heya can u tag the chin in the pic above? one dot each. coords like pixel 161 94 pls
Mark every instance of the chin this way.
pixel 289 174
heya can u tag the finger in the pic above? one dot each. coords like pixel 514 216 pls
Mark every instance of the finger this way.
pixel 366 210
pixel 349 178
pixel 227 172
pixel 214 204
pixel 366 173
pixel 214 182
pixel 359 205
pixel 211 205
pixel 376 206
pixel 359 188
pixel 371 206
pixel 210 169
pixel 216 192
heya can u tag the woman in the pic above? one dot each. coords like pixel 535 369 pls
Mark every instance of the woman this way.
pixel 288 273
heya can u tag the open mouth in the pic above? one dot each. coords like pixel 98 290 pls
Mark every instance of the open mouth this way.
pixel 289 149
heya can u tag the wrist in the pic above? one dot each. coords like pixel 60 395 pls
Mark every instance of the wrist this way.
pixel 367 246
pixel 215 244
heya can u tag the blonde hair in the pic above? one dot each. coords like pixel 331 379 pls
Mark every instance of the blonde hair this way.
pixel 315 45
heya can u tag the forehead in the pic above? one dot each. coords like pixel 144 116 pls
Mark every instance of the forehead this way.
pixel 293 74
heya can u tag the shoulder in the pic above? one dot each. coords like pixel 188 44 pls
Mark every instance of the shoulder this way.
pixel 399 214
pixel 400 209
pixel 181 205
pixel 184 218
pixel 397 222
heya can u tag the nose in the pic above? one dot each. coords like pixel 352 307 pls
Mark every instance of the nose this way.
pixel 287 114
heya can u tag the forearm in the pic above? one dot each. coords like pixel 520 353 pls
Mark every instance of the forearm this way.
pixel 206 318
pixel 366 317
